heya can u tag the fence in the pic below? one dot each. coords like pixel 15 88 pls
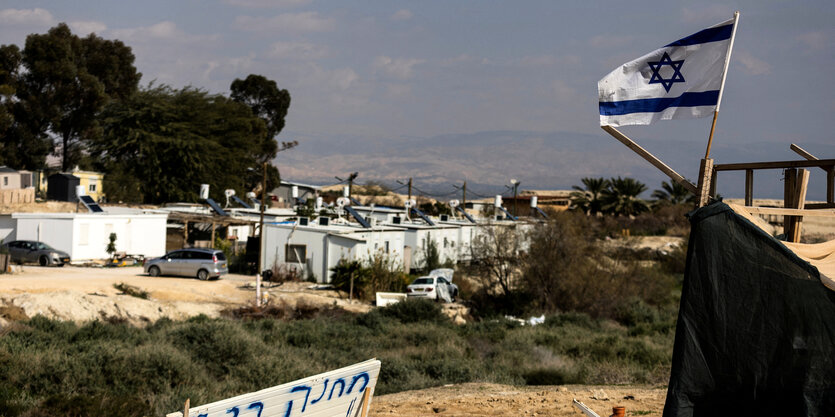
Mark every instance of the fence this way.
pixel 17 196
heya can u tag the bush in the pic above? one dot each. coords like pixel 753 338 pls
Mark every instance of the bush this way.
pixel 413 310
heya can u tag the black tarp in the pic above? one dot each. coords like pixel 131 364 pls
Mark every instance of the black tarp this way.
pixel 756 327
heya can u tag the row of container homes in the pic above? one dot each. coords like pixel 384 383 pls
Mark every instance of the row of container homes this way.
pixel 313 247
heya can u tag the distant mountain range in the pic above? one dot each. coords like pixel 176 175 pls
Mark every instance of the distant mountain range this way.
pixel 555 160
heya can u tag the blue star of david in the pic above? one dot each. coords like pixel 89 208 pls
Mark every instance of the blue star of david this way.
pixel 656 72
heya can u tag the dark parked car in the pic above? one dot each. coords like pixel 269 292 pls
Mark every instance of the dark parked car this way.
pixel 22 251
pixel 200 263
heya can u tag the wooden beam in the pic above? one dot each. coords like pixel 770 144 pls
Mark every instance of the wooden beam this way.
pixel 779 211
pixel 775 165
pixel 815 206
pixel 749 187
pixel 830 186
pixel 802 152
pixel 675 176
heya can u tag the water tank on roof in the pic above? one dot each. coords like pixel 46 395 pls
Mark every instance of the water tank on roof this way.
pixel 498 201
pixel 204 191
pixel 533 201
pixel 295 191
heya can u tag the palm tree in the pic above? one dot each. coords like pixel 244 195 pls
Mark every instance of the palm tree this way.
pixel 588 198
pixel 621 198
pixel 673 193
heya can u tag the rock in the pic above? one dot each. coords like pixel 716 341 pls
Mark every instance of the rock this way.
pixel 599 394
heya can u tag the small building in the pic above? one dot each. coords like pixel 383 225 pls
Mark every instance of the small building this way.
pixel 9 179
pixel 92 183
pixel 313 249
pixel 62 187
pixel 84 236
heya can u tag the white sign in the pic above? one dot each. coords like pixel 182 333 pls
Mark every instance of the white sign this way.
pixel 335 393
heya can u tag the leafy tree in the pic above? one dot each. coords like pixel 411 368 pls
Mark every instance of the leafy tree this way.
pixel 673 193
pixel 588 198
pixel 268 102
pixel 24 143
pixel 161 144
pixel 621 198
pixel 66 83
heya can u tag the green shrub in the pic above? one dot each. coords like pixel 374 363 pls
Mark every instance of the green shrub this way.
pixel 413 310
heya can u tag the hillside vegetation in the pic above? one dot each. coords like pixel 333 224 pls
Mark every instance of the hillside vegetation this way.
pixel 52 368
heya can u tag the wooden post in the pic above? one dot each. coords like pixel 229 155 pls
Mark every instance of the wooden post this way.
pixel 186 407
pixel 749 187
pixel 258 289
pixel 365 397
pixel 213 236
pixel 789 178
pixel 800 202
pixel 705 174
pixel 675 176
pixel 185 234
pixel 351 289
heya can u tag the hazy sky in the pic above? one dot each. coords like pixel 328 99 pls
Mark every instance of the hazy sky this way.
pixel 426 68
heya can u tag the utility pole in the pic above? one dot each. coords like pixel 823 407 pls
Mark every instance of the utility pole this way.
pixel 410 188
pixel 261 222
pixel 464 198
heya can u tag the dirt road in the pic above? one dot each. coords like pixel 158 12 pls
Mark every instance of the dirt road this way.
pixel 478 399
pixel 81 294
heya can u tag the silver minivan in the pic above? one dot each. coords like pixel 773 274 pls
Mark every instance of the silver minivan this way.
pixel 200 263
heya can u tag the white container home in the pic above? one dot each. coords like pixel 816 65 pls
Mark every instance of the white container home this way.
pixel 85 236
pixel 314 248
pixel 418 234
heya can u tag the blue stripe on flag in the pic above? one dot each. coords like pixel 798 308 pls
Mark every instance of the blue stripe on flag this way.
pixel 655 105
pixel 708 35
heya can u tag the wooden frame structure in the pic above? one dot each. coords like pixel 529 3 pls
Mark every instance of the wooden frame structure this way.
pixel 796 181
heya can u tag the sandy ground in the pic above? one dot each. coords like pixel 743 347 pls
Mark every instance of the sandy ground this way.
pixel 478 399
pixel 82 294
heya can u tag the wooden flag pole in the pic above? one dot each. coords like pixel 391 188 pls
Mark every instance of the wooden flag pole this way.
pixel 710 138
pixel 652 159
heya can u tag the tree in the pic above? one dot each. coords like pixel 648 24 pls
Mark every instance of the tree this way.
pixel 621 198
pixel 588 199
pixel 161 144
pixel 496 252
pixel 24 143
pixel 268 102
pixel 68 80
pixel 673 193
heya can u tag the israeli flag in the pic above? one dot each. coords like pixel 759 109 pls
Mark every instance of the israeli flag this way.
pixel 682 80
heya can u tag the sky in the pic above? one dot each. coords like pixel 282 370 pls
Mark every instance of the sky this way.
pixel 398 69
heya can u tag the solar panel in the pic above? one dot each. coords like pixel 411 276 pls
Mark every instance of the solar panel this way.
pixel 423 216
pixel 241 202
pixel 355 202
pixel 215 207
pixel 465 214
pixel 90 204
pixel 361 220
pixel 509 216
pixel 542 213
pixel 256 201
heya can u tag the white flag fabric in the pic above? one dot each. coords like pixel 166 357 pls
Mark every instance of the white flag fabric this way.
pixel 682 80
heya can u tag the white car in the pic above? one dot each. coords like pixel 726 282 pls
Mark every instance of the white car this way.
pixel 434 288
